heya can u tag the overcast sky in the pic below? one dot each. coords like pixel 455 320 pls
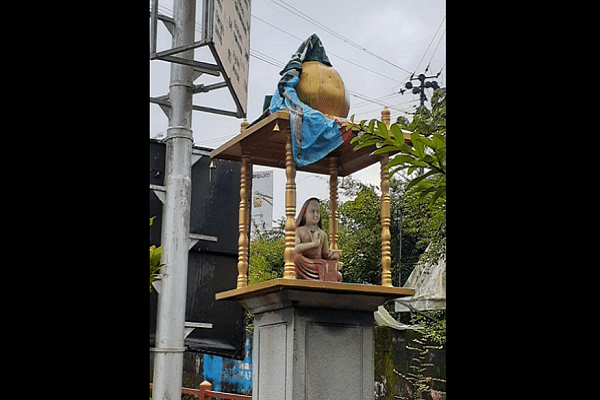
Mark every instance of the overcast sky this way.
pixel 398 31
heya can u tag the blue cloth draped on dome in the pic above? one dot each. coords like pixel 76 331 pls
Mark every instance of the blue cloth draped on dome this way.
pixel 313 134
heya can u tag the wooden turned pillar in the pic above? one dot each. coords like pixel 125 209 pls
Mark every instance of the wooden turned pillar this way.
pixel 244 217
pixel 289 269
pixel 333 199
pixel 386 246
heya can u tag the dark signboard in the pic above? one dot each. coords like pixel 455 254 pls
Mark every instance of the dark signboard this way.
pixel 212 261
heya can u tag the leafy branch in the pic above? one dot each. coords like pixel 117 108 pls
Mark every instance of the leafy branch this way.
pixel 427 149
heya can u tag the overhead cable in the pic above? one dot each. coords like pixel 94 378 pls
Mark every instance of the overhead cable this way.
pixel 434 50
pixel 299 13
pixel 424 54
pixel 329 53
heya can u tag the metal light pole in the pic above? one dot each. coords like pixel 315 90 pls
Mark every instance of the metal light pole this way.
pixel 169 347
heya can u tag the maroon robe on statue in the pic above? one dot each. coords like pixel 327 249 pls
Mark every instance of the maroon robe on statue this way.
pixel 314 269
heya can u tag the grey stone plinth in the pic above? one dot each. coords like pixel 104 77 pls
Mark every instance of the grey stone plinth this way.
pixel 313 340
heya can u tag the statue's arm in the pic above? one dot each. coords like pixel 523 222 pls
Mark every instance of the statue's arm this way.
pixel 325 248
pixel 301 247
pixel 328 254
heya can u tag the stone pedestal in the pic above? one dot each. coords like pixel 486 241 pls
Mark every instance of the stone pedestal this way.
pixel 313 340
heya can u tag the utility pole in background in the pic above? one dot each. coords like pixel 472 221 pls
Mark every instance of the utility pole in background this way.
pixel 416 89
pixel 424 85
pixel 170 324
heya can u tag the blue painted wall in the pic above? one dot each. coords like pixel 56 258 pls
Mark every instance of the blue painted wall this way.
pixel 229 375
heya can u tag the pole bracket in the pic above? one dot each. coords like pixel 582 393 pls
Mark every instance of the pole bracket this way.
pixel 177 135
pixel 167 349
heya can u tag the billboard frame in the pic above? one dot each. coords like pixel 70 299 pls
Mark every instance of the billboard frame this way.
pixel 223 67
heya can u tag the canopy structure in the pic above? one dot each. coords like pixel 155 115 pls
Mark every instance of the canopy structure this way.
pixel 269 143
pixel 265 142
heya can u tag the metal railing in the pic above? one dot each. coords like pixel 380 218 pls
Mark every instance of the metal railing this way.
pixel 205 392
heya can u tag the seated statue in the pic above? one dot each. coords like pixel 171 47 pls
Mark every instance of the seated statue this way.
pixel 314 260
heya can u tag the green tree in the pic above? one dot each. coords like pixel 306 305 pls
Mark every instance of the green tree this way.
pixel 360 238
pixel 426 155
pixel 360 233
pixel 265 261
pixel 266 253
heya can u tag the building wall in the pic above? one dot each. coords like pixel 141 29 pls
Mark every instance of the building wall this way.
pixel 391 353
pixel 229 375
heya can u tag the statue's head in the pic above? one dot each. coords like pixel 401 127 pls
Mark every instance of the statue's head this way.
pixel 310 209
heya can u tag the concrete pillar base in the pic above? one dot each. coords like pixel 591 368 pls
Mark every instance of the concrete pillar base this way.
pixel 313 340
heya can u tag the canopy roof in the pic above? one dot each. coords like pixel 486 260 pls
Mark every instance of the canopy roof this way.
pixel 265 142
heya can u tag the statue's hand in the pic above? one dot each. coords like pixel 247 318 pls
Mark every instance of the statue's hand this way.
pixel 317 238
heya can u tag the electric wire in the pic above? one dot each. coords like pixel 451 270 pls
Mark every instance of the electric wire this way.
pixel 278 28
pixel 442 68
pixel 276 63
pixel 374 101
pixel 264 57
pixel 366 103
pixel 432 39
pixel 218 140
pixel 198 29
pixel 434 50
pixel 311 20
pixel 394 107
pixel 329 53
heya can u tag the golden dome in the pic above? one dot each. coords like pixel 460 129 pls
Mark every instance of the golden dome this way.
pixel 321 88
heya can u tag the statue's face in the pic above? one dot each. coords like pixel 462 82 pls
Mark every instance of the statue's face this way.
pixel 313 213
